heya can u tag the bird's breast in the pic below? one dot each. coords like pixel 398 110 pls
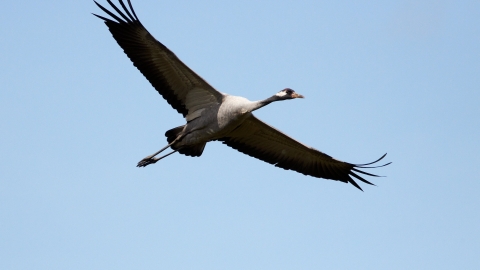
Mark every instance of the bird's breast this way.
pixel 232 109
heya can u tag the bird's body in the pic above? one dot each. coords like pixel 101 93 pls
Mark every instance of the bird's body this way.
pixel 216 121
pixel 212 115
pixel 220 119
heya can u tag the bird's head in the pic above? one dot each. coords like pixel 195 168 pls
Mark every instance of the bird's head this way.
pixel 288 93
pixel 285 94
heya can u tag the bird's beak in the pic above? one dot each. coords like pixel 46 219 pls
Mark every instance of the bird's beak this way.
pixel 295 95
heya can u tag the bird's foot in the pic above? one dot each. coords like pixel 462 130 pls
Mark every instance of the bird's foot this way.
pixel 147 161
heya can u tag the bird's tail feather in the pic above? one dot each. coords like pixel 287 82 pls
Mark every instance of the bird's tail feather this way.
pixel 173 133
pixel 195 150
pixel 190 150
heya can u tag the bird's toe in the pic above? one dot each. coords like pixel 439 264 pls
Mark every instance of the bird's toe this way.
pixel 146 161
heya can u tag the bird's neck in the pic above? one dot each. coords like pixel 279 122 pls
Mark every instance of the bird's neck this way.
pixel 255 105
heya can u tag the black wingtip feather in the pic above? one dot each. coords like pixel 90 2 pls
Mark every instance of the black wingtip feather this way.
pixel 360 178
pixel 351 181
pixel 366 173
pixel 362 165
pixel 373 167
pixel 133 11
pixel 119 11
pixel 103 18
pixel 132 18
pixel 110 13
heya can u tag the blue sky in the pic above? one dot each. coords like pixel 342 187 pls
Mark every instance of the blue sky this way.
pixel 385 76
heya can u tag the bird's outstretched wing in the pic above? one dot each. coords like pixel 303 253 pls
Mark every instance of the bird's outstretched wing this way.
pixel 259 140
pixel 187 92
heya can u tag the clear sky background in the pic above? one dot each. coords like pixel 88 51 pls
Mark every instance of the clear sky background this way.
pixel 380 76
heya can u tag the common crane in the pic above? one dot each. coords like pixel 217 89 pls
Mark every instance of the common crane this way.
pixel 212 115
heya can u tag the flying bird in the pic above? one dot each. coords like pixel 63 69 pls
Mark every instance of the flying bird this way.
pixel 211 115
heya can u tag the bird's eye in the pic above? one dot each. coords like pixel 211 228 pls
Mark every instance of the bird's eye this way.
pixel 289 91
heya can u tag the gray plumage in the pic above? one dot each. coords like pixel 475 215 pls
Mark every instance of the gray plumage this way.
pixel 212 115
